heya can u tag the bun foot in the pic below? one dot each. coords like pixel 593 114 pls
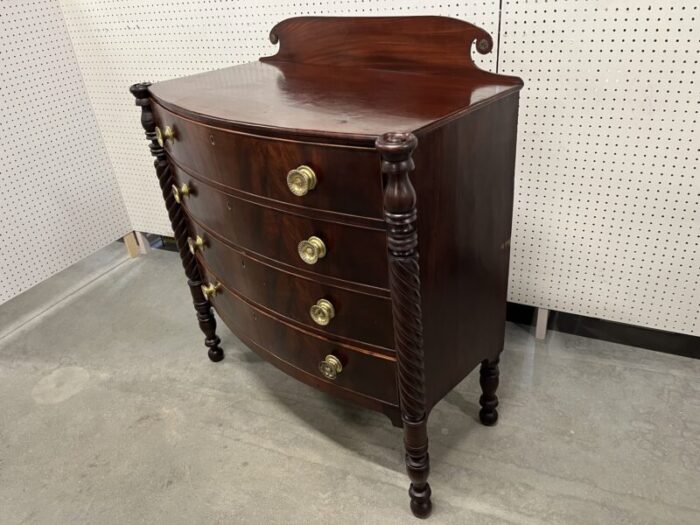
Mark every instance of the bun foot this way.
pixel 421 506
pixel 488 417
pixel 216 354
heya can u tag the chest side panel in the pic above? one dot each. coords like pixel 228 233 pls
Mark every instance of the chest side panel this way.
pixel 464 178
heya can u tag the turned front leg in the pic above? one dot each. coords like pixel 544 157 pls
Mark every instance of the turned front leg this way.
pixel 418 466
pixel 207 321
pixel 205 316
pixel 488 379
pixel 400 215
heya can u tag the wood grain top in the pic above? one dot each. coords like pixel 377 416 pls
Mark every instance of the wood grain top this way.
pixel 346 80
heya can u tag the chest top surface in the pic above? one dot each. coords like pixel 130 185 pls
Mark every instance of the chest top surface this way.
pixel 346 79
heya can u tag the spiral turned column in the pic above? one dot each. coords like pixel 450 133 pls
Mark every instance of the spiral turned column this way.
pixel 205 316
pixel 400 215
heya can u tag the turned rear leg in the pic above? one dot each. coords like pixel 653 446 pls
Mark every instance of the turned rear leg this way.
pixel 488 379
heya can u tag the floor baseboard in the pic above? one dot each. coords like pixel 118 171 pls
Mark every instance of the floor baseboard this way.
pixel 650 338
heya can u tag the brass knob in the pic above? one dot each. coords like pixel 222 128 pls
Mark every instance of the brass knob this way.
pixel 211 289
pixel 311 250
pixel 330 367
pixel 301 180
pixel 322 312
pixel 183 191
pixel 167 134
pixel 198 243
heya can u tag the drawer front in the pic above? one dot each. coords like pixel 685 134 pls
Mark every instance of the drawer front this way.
pixel 357 316
pixel 352 253
pixel 348 180
pixel 370 375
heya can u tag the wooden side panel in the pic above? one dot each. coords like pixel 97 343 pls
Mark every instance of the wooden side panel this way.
pixel 464 177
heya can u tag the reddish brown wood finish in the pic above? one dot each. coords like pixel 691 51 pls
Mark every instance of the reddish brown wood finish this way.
pixel 464 183
pixel 353 254
pixel 419 44
pixel 237 160
pixel 400 214
pixel 333 88
pixel 360 318
pixel 347 105
pixel 369 374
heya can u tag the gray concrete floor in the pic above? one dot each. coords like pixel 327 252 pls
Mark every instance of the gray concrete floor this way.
pixel 112 414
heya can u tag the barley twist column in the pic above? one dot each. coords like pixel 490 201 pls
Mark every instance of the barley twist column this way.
pixel 404 281
pixel 205 316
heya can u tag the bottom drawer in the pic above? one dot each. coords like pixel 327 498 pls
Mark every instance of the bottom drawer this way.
pixel 367 374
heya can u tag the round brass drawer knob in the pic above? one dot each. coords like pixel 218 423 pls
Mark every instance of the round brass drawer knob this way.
pixel 311 250
pixel 198 243
pixel 182 191
pixel 330 367
pixel 301 180
pixel 166 134
pixel 211 289
pixel 322 312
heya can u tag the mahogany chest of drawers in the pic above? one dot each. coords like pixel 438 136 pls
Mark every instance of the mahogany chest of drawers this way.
pixel 345 206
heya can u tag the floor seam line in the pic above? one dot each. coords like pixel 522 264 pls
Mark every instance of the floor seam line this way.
pixel 63 299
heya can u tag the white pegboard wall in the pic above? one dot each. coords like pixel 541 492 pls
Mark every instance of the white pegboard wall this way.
pixel 607 214
pixel 59 199
pixel 121 42
pixel 606 209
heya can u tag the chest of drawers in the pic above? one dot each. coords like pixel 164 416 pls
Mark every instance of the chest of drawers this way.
pixel 345 207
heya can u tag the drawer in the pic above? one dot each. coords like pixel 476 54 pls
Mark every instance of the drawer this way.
pixel 368 374
pixel 357 316
pixel 352 253
pixel 348 180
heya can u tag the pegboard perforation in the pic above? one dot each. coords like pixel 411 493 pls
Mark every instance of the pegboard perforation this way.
pixel 607 199
pixel 607 192
pixel 56 181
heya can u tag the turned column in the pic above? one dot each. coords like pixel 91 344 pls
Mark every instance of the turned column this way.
pixel 205 316
pixel 404 281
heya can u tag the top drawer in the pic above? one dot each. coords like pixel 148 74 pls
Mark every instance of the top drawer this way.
pixel 348 180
